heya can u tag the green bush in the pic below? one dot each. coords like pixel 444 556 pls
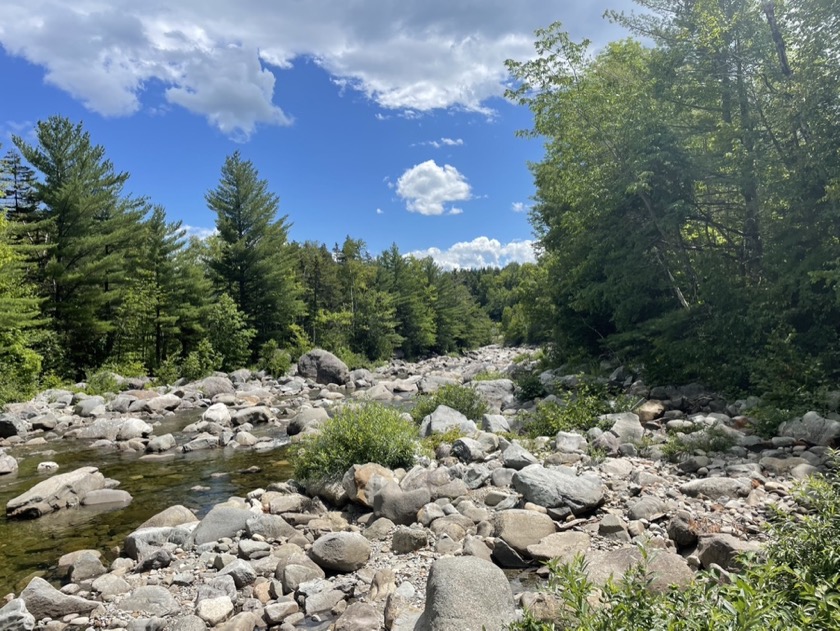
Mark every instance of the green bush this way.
pixel 489 375
pixel 357 434
pixel 101 381
pixel 529 386
pixel 201 362
pixel 710 439
pixel 794 585
pixel 169 371
pixel 274 360
pixel 466 400
pixel 577 411
pixel 19 369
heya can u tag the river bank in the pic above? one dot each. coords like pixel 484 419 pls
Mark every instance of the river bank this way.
pixel 377 550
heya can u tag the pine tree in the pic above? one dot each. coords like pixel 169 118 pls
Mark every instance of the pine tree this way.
pixel 253 262
pixel 91 229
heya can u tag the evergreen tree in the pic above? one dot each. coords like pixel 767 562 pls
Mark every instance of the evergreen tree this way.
pixel 253 261
pixel 91 228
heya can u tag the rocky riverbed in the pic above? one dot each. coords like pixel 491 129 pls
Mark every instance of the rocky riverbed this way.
pixel 453 543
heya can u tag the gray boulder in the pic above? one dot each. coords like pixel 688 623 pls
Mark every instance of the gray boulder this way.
pixel 723 550
pixel 8 464
pixel 15 617
pixel 443 419
pixel 323 367
pixel 466 594
pixel 43 600
pixel 715 488
pixel 665 568
pixel 211 386
pixel 341 551
pixel 60 491
pixel 90 406
pixel 553 488
pixel 253 415
pixel 270 527
pixel 150 600
pixel 495 423
pixel 307 418
pixel 626 426
pixel 498 393
pixel 241 571
pixel 400 506
pixel 221 521
pixel 522 528
pixel 517 457
pixel 11 426
pixel 170 517
pixel 812 428
pixel 158 405
pixel 161 443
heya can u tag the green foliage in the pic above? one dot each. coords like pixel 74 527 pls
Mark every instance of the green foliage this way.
pixel 274 360
pixel 228 333
pixel 794 585
pixel 201 362
pixel 466 400
pixel 251 260
pixel 577 411
pixel 168 371
pixel 101 381
pixel 710 439
pixel 433 441
pixel 529 386
pixel 357 434
pixel 489 375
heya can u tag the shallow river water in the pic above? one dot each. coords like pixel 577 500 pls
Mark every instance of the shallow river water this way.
pixel 197 480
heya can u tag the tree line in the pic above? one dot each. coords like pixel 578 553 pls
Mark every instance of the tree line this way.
pixel 92 277
pixel 688 201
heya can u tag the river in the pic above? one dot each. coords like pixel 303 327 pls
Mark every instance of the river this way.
pixel 197 480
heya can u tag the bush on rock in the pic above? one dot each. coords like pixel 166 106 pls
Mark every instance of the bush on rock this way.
pixel 356 435
pixel 466 400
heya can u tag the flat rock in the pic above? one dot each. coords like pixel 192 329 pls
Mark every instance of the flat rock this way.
pixel 60 491
pixel 173 516
pixel 150 600
pixel 715 488
pixel 221 521
pixel 445 418
pixel 558 487
pixel 665 568
pixel 522 528
pixel 43 600
pixel 560 545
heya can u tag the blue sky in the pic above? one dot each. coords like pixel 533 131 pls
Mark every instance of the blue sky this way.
pixel 382 120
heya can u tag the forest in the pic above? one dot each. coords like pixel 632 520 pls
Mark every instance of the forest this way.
pixel 687 211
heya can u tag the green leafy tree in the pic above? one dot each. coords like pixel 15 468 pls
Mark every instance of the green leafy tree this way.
pixel 229 334
pixel 253 262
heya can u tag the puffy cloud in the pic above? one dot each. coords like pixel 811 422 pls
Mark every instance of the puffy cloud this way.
pixel 218 59
pixel 427 187
pixel 480 252
pixel 518 207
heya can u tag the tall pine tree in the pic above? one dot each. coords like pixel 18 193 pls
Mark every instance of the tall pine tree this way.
pixel 253 262
pixel 91 228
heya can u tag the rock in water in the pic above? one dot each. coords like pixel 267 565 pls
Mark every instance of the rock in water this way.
pixel 60 491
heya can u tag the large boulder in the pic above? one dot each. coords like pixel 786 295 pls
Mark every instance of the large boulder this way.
pixel 43 600
pixel 522 528
pixel 323 367
pixel 812 428
pixel 715 488
pixel 150 600
pixel 11 426
pixel 400 506
pixel 217 384
pixel 665 568
pixel 341 551
pixel 557 487
pixel 498 393
pixel 445 418
pixel 8 464
pixel 307 418
pixel 221 521
pixel 466 594
pixel 60 491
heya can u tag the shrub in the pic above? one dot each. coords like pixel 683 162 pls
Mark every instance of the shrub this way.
pixel 355 435
pixel 201 362
pixel 274 360
pixel 432 442
pixel 578 411
pixel 711 439
pixel 101 381
pixel 489 375
pixel 529 386
pixel 168 371
pixel 466 400
pixel 19 368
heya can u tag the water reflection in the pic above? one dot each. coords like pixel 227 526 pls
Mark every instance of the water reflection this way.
pixel 29 547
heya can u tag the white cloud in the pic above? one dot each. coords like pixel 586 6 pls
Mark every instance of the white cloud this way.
pixel 218 59
pixel 199 232
pixel 443 142
pixel 456 211
pixel 518 207
pixel 480 252
pixel 427 187
pixel 379 211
